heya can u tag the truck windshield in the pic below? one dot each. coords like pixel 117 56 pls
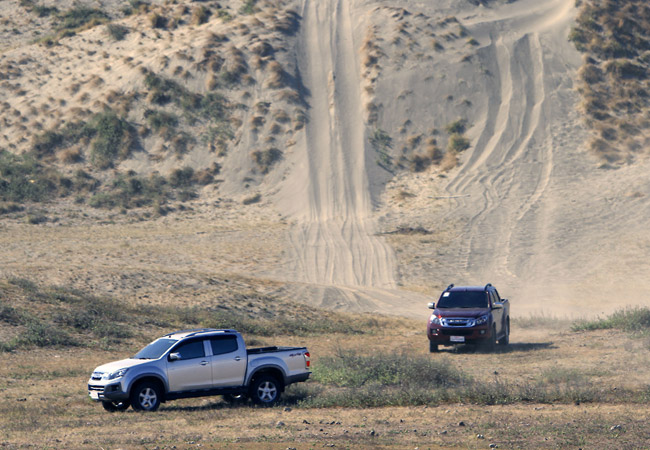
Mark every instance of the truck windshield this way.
pixel 156 349
pixel 463 299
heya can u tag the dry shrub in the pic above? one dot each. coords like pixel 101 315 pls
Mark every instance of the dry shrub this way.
pixel 200 15
pixel 262 48
pixel 277 77
pixel 300 119
pixel 265 159
pixel 211 82
pixel 287 23
pixel 71 156
pixel 281 116
pixel 449 161
pixel 257 122
pixel 262 107
pixel 290 96
pixel 372 112
pixel 590 73
pixel 605 150
pixel 413 141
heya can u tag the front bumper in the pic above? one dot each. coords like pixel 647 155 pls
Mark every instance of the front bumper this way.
pixel 106 392
pixel 458 335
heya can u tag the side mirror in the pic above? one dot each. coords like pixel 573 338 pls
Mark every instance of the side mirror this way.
pixel 431 305
pixel 174 356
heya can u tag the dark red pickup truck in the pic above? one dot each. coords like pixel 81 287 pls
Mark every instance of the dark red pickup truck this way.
pixel 469 315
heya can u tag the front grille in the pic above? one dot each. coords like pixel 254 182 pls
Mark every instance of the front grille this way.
pixel 456 332
pixel 92 387
pixel 96 375
pixel 457 322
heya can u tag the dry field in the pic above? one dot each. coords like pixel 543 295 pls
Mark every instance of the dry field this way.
pixel 601 378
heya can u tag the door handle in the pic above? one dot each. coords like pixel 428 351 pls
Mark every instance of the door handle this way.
pixel 237 358
pixel 204 363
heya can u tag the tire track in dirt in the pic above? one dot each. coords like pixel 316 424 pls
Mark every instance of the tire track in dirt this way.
pixel 333 241
pixel 510 167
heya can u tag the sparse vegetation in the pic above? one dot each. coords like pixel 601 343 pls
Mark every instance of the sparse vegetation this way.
pixel 633 320
pixel 382 143
pixel 265 159
pixel 248 7
pixel 24 179
pixel 458 143
pixel 113 138
pixel 614 36
pixel 117 32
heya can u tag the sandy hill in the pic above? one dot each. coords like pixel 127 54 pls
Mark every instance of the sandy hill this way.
pixel 365 153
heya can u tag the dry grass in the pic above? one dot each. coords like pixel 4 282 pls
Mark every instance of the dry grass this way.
pixel 614 78
pixel 32 412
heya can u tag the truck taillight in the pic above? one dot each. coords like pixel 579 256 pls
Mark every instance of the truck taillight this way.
pixel 307 360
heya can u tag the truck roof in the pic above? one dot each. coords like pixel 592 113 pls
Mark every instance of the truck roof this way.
pixel 182 334
pixel 453 288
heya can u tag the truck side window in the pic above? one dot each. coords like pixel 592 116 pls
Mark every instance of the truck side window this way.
pixel 191 350
pixel 223 344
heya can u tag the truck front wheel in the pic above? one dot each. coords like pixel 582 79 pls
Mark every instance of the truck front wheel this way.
pixel 265 390
pixel 505 340
pixel 433 348
pixel 146 396
pixel 116 406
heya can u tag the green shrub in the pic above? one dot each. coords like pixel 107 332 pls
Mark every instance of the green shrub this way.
pixel 182 177
pixel 161 120
pixel 634 320
pixel 458 143
pixel 266 158
pixel 457 127
pixel 38 334
pixel 80 17
pixel 158 21
pixel 117 32
pixel 248 7
pixel 113 139
pixel 22 178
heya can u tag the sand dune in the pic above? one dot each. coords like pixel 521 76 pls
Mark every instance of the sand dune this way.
pixel 525 206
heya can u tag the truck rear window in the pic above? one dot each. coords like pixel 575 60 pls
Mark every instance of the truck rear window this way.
pixel 463 299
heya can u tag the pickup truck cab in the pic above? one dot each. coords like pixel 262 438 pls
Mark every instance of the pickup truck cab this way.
pixel 469 315
pixel 196 363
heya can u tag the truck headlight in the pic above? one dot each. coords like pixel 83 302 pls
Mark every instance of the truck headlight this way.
pixel 435 320
pixel 117 374
pixel 482 320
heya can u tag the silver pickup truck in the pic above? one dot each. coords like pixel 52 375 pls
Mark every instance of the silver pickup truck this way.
pixel 196 363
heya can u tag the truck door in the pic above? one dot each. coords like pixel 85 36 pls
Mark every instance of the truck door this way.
pixel 192 368
pixel 228 360
pixel 497 311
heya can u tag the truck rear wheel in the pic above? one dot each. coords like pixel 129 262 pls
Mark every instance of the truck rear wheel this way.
pixel 265 390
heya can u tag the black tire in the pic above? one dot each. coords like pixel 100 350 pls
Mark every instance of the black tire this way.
pixel 505 340
pixel 433 348
pixel 491 344
pixel 265 390
pixel 146 396
pixel 116 406
pixel 234 399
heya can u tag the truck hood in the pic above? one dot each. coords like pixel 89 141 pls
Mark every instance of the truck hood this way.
pixel 122 364
pixel 472 313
